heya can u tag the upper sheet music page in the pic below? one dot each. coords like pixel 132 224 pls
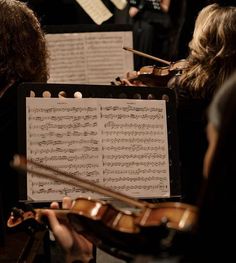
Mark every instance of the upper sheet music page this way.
pixel 89 58
pixel 96 10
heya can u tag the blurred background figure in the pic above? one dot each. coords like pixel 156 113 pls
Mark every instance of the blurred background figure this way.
pixel 156 28
pixel 63 12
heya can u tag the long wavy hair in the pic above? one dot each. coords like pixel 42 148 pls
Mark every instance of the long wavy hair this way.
pixel 23 53
pixel 212 56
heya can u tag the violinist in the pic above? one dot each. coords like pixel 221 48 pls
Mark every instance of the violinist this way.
pixel 23 57
pixel 211 61
pixel 211 242
pixel 214 227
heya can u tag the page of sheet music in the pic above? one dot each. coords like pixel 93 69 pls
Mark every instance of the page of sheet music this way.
pixel 89 58
pixel 120 4
pixel 96 10
pixel 120 144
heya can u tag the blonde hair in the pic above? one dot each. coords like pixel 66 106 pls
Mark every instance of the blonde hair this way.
pixel 212 56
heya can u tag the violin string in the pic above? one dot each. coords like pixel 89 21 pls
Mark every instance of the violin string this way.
pixel 20 163
pixel 147 56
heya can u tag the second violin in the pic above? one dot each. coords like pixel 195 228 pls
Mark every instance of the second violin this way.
pixel 155 75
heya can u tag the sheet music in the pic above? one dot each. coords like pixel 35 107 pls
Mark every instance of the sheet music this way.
pixel 96 10
pixel 120 4
pixel 120 144
pixel 89 58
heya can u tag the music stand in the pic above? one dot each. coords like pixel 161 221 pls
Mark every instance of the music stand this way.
pixel 105 91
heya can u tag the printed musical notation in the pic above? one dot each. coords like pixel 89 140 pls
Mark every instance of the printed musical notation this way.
pixel 120 144
pixel 96 10
pixel 89 58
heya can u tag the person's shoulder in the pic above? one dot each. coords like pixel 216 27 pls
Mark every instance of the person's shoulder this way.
pixel 174 82
pixel 182 92
pixel 186 99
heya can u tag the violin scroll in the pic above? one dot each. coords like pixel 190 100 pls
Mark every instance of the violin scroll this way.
pixel 30 220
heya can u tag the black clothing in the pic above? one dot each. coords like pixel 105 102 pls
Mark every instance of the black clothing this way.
pixel 8 147
pixel 191 121
pixel 63 12
pixel 192 10
pixel 147 4
pixel 151 32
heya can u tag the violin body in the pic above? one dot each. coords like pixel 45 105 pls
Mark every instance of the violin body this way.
pixel 175 215
pixel 167 225
pixel 154 76
pixel 159 76
pixel 122 232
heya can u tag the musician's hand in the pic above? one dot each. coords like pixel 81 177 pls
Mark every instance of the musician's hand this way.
pixel 75 245
pixel 127 82
pixel 132 79
pixel 133 11
pixel 165 5
pixel 132 74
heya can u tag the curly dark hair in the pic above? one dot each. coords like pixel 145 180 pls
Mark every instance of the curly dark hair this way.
pixel 23 52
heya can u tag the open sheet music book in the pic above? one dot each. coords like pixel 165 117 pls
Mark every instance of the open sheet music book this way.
pixel 119 144
pixel 79 54
pixel 119 137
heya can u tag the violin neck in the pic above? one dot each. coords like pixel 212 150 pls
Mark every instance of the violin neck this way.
pixel 61 214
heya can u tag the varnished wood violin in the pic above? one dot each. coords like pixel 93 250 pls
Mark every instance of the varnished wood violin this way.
pixel 141 231
pixel 155 75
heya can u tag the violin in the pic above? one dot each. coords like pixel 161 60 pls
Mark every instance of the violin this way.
pixel 156 75
pixel 159 76
pixel 109 227
pixel 143 230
